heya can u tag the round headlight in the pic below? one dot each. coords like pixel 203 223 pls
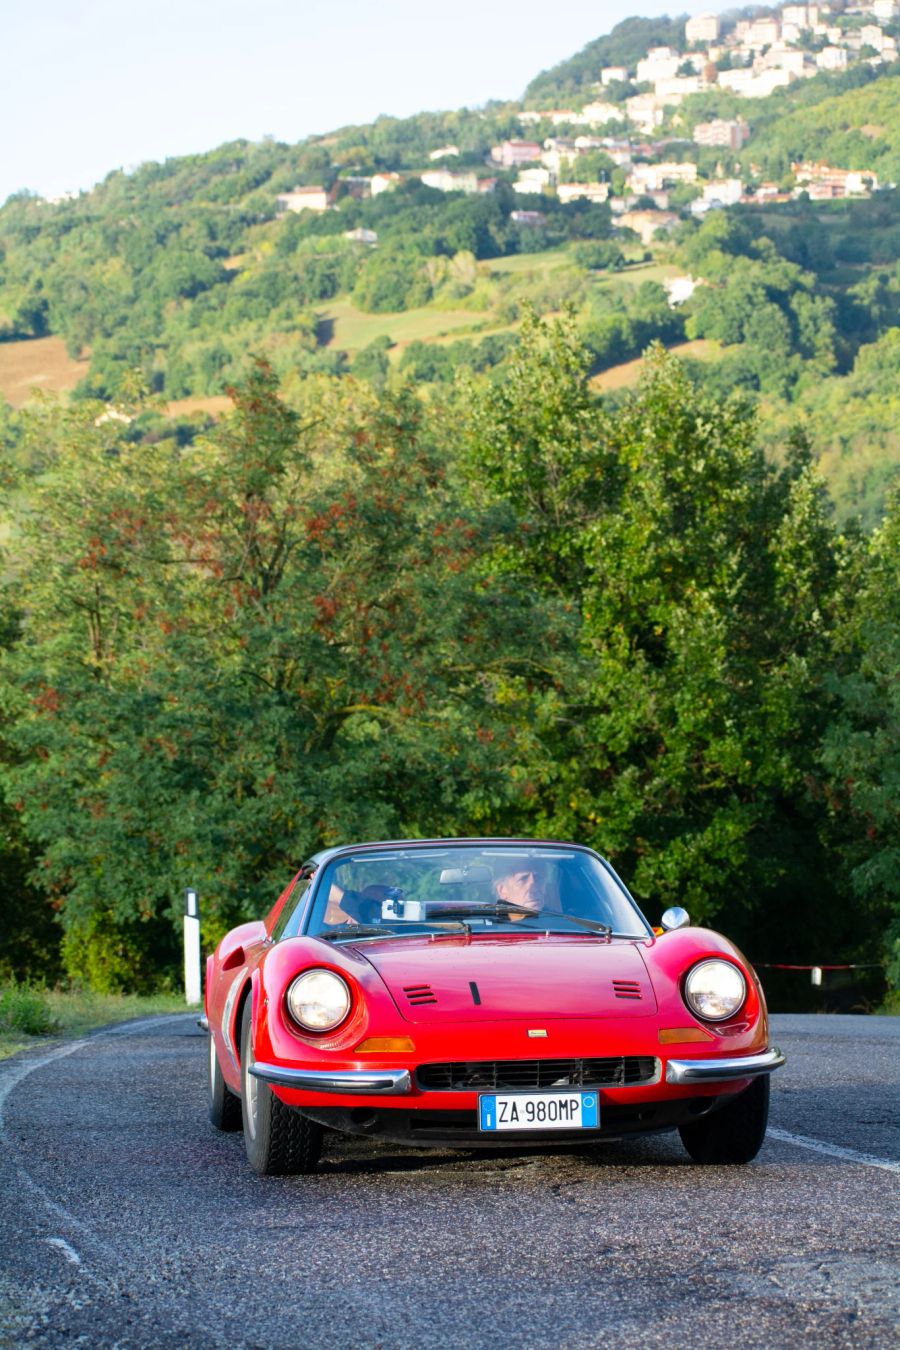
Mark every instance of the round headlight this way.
pixel 318 1000
pixel 714 990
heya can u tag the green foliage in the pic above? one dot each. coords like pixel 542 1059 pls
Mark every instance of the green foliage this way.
pixel 237 653
pixel 623 46
pixel 829 128
pixel 861 747
pixel 391 281
pixel 599 254
pixel 24 1009
pixel 619 326
pixel 682 728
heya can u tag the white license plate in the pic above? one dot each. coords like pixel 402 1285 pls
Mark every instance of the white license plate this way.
pixel 538 1111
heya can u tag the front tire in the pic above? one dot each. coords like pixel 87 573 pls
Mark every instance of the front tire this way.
pixel 733 1133
pixel 278 1139
pixel 224 1106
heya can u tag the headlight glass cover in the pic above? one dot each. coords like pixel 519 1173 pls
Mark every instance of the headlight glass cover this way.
pixel 714 990
pixel 318 1000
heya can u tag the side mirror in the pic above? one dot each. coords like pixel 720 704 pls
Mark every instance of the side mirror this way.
pixel 676 917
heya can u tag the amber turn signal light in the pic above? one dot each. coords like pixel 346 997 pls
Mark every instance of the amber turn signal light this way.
pixel 678 1035
pixel 386 1045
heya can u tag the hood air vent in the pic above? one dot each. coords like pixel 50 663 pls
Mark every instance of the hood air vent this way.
pixel 419 993
pixel 627 988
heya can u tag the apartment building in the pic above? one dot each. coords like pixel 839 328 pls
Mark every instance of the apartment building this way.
pixel 732 134
pixel 703 28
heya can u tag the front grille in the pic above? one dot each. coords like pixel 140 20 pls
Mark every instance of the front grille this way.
pixel 522 1075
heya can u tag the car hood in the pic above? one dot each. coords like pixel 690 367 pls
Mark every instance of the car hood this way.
pixel 512 977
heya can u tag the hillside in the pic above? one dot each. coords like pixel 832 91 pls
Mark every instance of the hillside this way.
pixel 439 231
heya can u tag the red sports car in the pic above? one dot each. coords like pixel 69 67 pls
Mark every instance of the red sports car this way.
pixel 480 993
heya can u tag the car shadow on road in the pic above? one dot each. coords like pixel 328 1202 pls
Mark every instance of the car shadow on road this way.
pixel 348 1155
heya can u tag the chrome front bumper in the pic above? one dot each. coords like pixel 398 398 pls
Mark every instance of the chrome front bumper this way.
pixel 398 1082
pixel 721 1070
pixel 365 1082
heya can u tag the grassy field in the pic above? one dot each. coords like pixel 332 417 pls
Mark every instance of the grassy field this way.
pixel 529 262
pixel 350 329
pixel 39 363
pixel 214 404
pixel 31 1016
pixel 619 377
pixel 632 277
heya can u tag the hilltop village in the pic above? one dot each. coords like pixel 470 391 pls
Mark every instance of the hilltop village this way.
pixel 633 142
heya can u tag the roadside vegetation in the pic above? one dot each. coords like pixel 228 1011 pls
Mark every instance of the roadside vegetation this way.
pixel 31 1014
pixel 397 518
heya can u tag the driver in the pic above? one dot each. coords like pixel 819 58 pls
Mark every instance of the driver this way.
pixel 525 887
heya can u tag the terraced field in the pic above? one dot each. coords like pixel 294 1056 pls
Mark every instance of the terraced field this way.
pixel 39 363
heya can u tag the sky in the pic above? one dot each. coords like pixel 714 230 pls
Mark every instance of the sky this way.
pixel 94 85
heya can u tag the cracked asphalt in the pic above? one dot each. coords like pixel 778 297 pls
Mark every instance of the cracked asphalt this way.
pixel 127 1221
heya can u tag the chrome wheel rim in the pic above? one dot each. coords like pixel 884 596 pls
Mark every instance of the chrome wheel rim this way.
pixel 213 1062
pixel 251 1091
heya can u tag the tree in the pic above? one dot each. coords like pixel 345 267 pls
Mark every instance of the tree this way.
pixel 687 715
pixel 861 746
pixel 243 650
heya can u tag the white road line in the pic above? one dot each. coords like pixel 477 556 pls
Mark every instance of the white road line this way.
pixel 68 1252
pixel 125 1028
pixel 833 1150
pixel 10 1077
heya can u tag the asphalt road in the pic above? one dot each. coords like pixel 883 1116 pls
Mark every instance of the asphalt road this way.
pixel 126 1221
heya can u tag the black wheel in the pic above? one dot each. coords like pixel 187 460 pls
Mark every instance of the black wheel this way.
pixel 279 1140
pixel 733 1133
pixel 224 1106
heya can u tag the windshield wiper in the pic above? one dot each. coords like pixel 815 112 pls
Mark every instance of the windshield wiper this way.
pixel 401 929
pixel 343 930
pixel 502 910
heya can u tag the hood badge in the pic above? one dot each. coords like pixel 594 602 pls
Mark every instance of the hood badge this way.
pixel 536 1034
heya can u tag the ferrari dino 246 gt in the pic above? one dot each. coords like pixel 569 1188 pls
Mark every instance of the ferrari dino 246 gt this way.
pixel 480 993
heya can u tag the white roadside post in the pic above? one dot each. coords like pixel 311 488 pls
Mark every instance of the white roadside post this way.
pixel 191 948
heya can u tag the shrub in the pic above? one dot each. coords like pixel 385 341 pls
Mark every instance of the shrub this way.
pixel 24 1008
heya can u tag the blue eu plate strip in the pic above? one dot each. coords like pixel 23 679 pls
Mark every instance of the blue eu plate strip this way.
pixel 488 1109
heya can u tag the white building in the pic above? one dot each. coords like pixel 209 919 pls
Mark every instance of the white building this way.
pixel 445 152
pixel 803 16
pixel 598 114
pixel 592 192
pixel 754 84
pixel 384 182
pixel 723 191
pixel 361 236
pixel 645 110
pixel 445 180
pixel 660 63
pixel 613 75
pixel 757 33
pixel 886 10
pixel 304 199
pixel 871 35
pixel 679 289
pixel 781 56
pixel 703 28
pixel 533 180
pixel 651 177
pixel 671 92
pixel 832 58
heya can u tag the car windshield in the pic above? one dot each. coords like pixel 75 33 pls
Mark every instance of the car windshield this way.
pixel 471 887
